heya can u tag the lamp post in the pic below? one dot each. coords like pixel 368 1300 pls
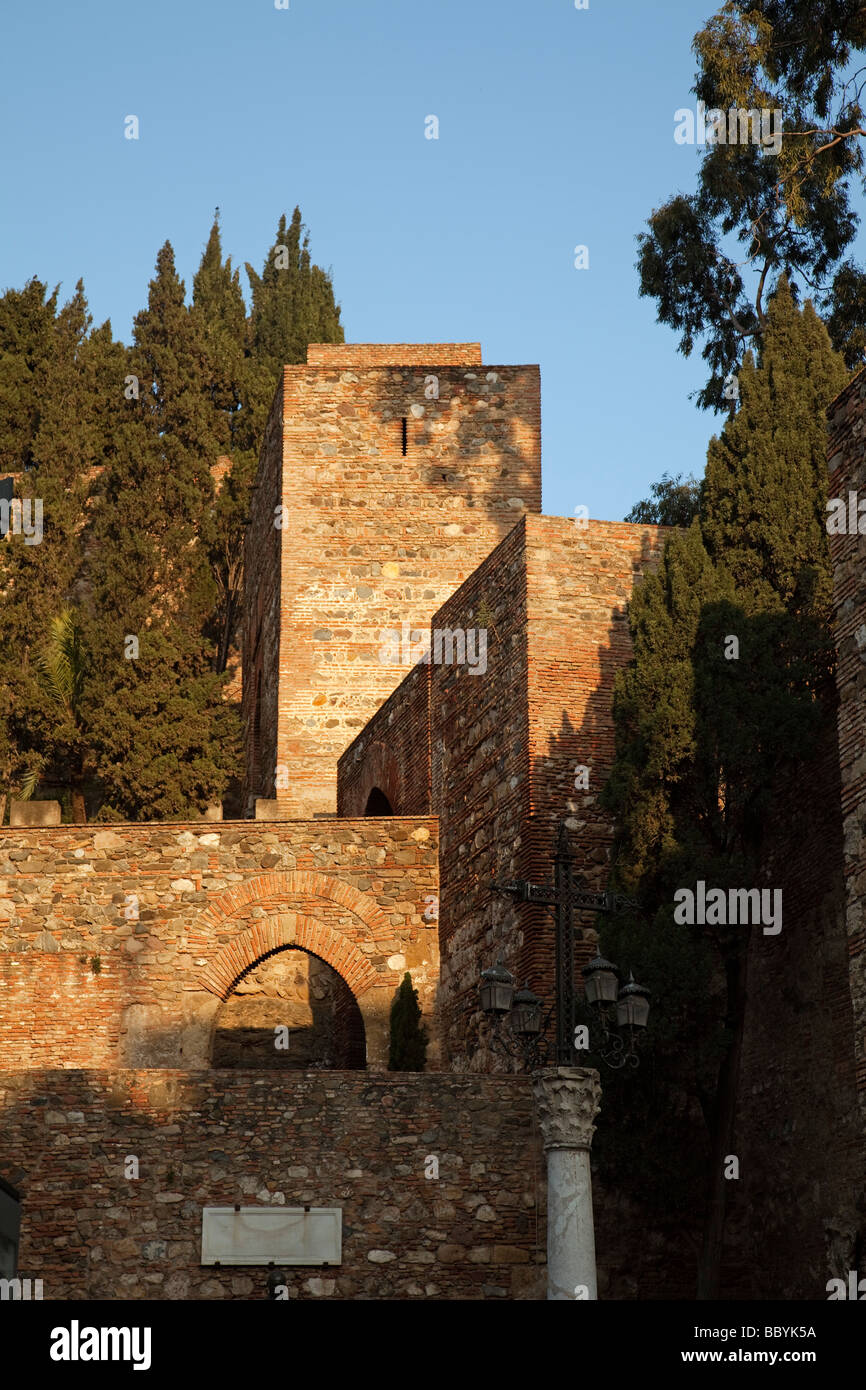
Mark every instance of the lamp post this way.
pixel 567 1097
pixel 520 1022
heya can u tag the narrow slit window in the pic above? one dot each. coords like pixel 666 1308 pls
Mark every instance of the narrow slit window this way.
pixel 404 436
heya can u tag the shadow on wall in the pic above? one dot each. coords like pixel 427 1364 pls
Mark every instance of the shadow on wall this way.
pixel 651 1253
pixel 515 435
pixel 114 1168
pixel 289 1011
pixel 797 1076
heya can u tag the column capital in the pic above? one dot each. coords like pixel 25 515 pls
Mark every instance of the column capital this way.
pixel 567 1100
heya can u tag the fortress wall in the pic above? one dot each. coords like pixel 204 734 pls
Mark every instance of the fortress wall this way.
pixel 392 753
pixel 505 743
pixel 117 945
pixel 275 1139
pixel 375 538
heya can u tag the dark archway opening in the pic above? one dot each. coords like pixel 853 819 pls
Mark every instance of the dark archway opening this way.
pixel 290 1011
pixel 378 804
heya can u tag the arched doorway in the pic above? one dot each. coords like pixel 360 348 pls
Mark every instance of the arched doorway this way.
pixel 320 934
pixel 378 804
pixel 289 1011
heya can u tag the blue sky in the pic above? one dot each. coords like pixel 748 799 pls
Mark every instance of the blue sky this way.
pixel 555 129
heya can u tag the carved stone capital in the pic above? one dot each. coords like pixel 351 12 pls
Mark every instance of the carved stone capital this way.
pixel 567 1100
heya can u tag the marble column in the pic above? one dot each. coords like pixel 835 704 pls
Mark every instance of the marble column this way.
pixel 567 1100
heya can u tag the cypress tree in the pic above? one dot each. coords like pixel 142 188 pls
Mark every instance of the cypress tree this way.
pixel 764 498
pixel 292 305
pixel 220 314
pixel 219 307
pixel 168 741
pixel 66 451
pixel 704 744
pixel 408 1049
pixel 137 539
pixel 27 343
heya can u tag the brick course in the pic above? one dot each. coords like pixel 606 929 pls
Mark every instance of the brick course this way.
pixel 394 354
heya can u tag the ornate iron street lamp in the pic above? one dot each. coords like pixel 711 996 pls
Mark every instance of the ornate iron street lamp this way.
pixel 619 1012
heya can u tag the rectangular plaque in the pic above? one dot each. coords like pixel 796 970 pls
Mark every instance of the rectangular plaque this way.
pixel 265 1235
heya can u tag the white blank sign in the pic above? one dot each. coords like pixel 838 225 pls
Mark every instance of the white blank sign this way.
pixel 265 1235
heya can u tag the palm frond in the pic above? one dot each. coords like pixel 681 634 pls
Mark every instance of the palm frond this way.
pixel 61 663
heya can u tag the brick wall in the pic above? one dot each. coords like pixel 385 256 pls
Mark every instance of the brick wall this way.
pixel 504 745
pixel 580 581
pixel 55 1008
pixel 338 1139
pixel 480 761
pixel 374 538
pixel 847 473
pixel 394 354
pixel 210 903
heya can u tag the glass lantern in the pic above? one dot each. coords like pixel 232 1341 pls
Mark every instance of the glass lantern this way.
pixel 632 1007
pixel 526 1013
pixel 600 981
pixel 497 989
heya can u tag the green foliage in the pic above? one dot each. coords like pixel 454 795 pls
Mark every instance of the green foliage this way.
pixel 138 540
pixel 61 669
pixel 408 1049
pixel 292 305
pixel 218 307
pixel 27 343
pixel 711 258
pixel 765 492
pixel 672 502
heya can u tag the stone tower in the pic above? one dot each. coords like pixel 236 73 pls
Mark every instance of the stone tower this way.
pixel 387 474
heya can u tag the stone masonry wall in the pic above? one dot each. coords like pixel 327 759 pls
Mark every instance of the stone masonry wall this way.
pixel 331 1139
pixel 391 753
pixel 118 945
pixel 480 761
pixel 376 537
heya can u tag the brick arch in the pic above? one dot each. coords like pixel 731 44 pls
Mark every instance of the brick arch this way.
pixel 276 888
pixel 379 769
pixel 287 929
pixel 283 927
